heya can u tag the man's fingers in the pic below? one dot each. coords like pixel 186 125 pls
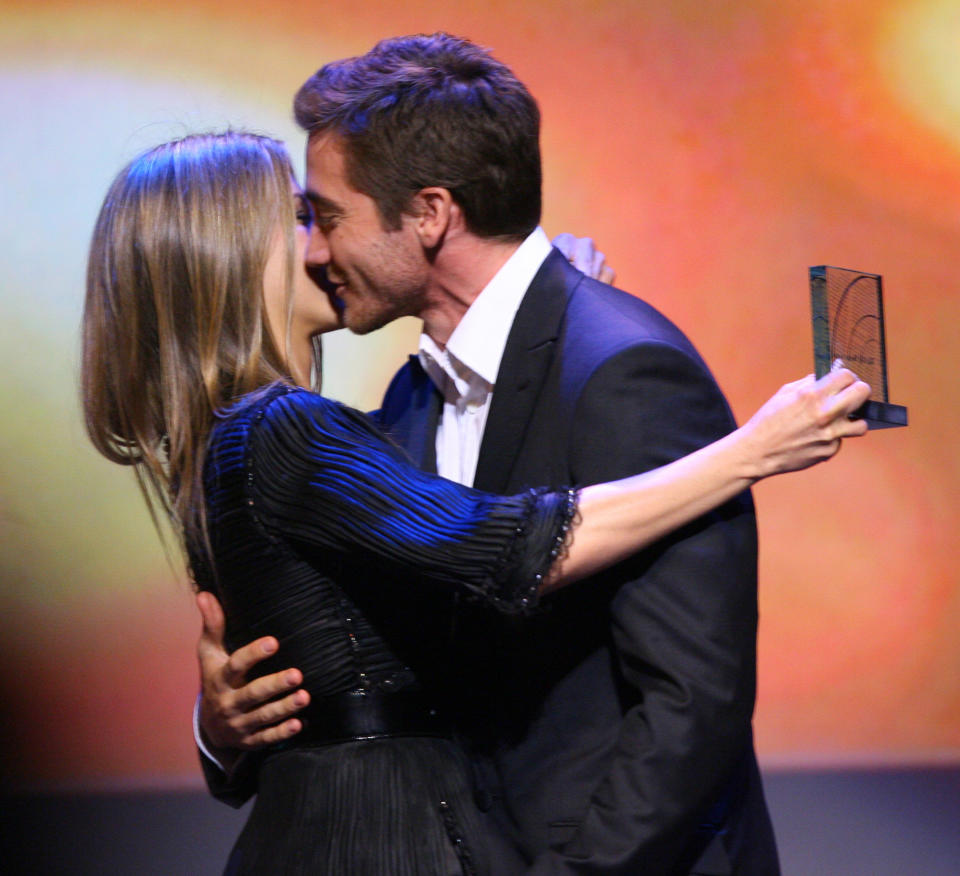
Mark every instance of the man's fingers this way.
pixel 275 712
pixel 271 735
pixel 244 659
pixel 211 616
pixel 608 275
pixel 263 690
pixel 270 723
pixel 210 650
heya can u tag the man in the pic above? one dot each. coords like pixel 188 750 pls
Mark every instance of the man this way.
pixel 610 733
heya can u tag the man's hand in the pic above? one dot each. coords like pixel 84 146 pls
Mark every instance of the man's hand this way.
pixel 236 715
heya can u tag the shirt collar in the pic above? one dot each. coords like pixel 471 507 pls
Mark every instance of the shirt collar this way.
pixel 480 337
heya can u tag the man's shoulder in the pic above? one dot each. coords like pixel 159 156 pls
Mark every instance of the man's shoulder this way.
pixel 608 311
pixel 602 322
pixel 585 308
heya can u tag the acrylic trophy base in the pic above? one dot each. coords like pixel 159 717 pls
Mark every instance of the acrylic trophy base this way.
pixel 881 415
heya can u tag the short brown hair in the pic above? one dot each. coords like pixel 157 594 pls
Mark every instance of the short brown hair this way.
pixel 435 110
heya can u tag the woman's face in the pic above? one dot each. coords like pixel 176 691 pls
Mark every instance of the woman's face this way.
pixel 313 310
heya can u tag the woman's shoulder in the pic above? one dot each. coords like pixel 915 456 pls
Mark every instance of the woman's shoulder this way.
pixel 295 414
pixel 273 399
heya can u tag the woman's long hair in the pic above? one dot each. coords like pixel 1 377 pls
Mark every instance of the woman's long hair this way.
pixel 174 323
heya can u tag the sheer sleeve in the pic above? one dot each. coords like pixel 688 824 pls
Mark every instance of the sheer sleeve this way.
pixel 321 476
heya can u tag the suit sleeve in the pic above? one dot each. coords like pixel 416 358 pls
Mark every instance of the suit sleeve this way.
pixel 237 787
pixel 683 624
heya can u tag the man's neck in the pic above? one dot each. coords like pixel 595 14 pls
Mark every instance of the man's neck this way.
pixel 463 267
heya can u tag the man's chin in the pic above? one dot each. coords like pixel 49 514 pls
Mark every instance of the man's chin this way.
pixel 364 328
pixel 361 323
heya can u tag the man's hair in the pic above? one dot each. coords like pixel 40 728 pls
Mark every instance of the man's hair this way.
pixel 435 110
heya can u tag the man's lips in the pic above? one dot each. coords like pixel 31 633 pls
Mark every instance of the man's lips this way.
pixel 318 273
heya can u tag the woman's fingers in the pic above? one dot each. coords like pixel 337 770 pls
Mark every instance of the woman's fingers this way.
pixel 850 398
pixel 583 254
pixel 840 393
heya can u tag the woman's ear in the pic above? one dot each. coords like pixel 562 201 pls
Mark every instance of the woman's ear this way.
pixel 436 213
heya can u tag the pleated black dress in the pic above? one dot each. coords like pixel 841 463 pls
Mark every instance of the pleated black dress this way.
pixel 325 536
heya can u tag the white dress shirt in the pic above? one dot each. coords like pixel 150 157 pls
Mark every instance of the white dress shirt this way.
pixel 465 371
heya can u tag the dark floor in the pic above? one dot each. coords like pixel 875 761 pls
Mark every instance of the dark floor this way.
pixel 896 822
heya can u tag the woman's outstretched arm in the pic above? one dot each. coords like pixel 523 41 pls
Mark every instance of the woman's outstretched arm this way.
pixel 801 425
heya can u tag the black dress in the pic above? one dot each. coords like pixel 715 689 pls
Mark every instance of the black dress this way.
pixel 325 536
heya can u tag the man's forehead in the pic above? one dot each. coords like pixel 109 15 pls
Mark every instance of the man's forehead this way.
pixel 326 171
pixel 325 151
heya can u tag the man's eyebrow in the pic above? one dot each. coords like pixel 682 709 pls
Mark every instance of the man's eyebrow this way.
pixel 322 204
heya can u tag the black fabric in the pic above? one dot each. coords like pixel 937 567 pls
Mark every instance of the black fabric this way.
pixel 361 714
pixel 325 536
pixel 624 746
pixel 395 807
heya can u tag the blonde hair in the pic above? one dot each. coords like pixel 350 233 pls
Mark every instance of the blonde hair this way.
pixel 174 323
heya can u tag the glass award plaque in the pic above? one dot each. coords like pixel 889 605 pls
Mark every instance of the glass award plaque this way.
pixel 848 326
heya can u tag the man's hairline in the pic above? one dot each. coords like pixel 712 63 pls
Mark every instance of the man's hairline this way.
pixel 339 141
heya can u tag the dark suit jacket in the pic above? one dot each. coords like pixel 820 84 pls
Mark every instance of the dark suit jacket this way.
pixel 611 733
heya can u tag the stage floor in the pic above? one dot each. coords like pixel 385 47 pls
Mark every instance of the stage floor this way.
pixel 890 822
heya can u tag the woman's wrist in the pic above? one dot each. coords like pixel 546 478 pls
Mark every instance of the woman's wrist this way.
pixel 745 455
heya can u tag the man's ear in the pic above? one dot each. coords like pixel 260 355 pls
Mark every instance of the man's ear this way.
pixel 436 213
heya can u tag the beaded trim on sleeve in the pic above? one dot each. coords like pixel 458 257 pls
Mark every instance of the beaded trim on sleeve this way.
pixel 568 518
pixel 562 506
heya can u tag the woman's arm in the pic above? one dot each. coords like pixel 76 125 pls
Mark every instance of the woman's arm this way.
pixel 802 424
pixel 326 480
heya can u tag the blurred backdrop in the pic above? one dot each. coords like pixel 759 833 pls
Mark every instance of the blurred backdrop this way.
pixel 713 150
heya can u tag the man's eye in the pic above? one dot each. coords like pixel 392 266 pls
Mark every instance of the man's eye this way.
pixel 305 218
pixel 325 224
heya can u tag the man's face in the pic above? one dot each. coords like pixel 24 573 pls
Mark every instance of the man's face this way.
pixel 380 275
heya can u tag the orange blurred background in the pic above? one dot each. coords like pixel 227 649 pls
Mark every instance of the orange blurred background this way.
pixel 714 151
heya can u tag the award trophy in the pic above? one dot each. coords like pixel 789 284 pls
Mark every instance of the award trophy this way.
pixel 848 326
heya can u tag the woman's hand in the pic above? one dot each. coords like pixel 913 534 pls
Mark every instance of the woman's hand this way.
pixel 804 423
pixel 584 256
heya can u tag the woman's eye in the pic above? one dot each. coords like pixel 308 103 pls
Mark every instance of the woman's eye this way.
pixel 304 217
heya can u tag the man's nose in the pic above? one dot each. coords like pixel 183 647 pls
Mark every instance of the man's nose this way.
pixel 317 258
pixel 318 250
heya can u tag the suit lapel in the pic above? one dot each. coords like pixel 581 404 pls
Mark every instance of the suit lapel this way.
pixel 526 360
pixel 414 424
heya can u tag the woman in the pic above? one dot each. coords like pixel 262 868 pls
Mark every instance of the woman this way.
pixel 310 525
